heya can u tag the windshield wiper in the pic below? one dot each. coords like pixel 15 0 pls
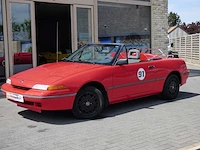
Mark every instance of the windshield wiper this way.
pixel 85 61
pixel 89 62
pixel 79 61
pixel 68 60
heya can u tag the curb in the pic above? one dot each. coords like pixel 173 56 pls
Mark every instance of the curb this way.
pixel 197 65
pixel 1 94
pixel 192 147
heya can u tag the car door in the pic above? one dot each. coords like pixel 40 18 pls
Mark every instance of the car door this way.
pixel 133 80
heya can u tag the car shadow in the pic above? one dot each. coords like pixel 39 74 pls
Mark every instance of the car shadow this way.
pixel 66 117
pixel 1 94
pixel 143 103
pixel 194 73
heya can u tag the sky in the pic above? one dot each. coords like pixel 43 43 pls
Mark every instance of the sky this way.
pixel 188 10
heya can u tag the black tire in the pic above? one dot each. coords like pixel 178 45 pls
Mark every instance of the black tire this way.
pixel 171 87
pixel 89 103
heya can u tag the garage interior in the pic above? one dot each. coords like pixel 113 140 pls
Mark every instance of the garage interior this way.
pixel 53 28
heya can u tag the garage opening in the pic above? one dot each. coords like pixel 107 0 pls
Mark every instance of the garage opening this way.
pixel 53 31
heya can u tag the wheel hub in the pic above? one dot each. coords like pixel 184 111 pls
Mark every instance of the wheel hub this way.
pixel 172 87
pixel 88 104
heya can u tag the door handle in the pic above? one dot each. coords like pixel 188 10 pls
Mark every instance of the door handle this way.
pixel 151 66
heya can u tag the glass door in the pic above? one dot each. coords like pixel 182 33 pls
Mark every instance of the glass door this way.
pixel 53 31
pixel 83 25
pixel 21 35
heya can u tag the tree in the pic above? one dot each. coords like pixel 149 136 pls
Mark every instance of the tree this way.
pixel 191 28
pixel 18 28
pixel 26 27
pixel 173 19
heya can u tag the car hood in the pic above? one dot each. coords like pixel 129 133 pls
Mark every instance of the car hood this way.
pixel 52 72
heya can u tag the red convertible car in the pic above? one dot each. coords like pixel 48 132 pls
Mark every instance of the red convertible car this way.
pixel 95 76
pixel 19 58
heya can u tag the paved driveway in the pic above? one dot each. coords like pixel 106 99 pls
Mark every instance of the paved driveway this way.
pixel 144 124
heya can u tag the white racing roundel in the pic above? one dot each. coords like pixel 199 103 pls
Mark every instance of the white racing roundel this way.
pixel 141 74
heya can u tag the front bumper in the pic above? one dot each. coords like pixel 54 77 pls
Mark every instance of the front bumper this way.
pixel 41 101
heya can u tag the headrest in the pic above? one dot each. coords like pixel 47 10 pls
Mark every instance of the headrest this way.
pixel 134 54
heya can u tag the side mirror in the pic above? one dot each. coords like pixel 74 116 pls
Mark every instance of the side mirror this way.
pixel 121 61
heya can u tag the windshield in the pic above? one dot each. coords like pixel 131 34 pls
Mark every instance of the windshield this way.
pixel 95 54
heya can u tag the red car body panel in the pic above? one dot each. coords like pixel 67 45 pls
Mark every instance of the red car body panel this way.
pixel 119 81
pixel 23 58
pixel 19 58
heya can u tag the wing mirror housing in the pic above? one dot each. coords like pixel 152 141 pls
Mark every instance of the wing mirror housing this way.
pixel 121 61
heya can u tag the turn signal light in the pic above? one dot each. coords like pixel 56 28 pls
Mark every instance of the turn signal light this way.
pixel 56 87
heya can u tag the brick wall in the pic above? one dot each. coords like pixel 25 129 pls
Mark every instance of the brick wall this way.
pixel 159 24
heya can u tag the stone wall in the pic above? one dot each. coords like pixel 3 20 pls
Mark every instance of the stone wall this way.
pixel 159 24
pixel 125 23
pixel 124 20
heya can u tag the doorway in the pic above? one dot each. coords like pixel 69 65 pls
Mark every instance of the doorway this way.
pixel 53 31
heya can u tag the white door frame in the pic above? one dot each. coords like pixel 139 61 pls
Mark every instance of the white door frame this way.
pixel 5 36
pixel 74 24
pixel 33 35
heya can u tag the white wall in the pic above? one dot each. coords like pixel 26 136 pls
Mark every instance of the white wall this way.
pixel 178 32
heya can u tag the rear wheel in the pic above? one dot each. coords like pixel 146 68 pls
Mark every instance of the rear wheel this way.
pixel 171 87
pixel 89 103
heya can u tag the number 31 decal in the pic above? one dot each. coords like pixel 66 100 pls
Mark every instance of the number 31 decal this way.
pixel 141 74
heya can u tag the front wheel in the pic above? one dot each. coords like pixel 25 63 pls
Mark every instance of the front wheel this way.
pixel 171 87
pixel 89 103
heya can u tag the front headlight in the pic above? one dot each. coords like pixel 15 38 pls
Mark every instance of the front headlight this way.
pixel 40 87
pixel 8 81
pixel 49 87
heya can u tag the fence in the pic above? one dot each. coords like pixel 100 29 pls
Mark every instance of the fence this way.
pixel 188 47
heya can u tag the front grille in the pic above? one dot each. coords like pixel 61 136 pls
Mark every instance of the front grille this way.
pixel 28 103
pixel 21 87
pixel 33 103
